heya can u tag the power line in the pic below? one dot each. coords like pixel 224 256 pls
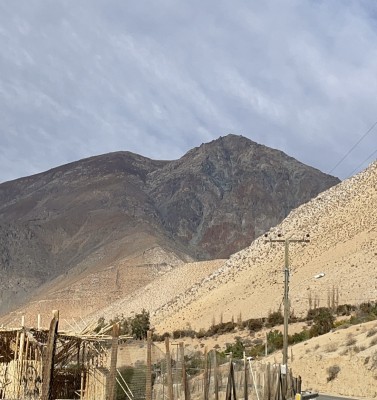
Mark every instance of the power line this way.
pixel 361 164
pixel 353 147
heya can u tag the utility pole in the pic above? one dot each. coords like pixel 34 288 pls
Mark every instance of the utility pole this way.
pixel 286 288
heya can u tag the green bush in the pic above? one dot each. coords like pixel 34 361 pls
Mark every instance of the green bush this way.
pixel 222 327
pixel 345 309
pixel 323 322
pixel 274 340
pixel 274 318
pixel 257 350
pixel 368 308
pixel 194 364
pixel 254 325
pixel 136 326
pixel 299 337
pixel 236 349
pixel 140 325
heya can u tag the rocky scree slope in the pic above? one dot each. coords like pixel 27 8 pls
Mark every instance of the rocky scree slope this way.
pixel 342 223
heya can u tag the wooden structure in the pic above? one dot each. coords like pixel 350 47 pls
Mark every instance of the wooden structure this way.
pixel 220 379
pixel 40 364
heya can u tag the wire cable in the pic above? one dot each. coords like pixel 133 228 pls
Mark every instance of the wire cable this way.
pixel 353 147
pixel 361 164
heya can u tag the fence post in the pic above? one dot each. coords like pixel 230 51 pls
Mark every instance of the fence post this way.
pixel 299 382
pixel 231 385
pixel 148 388
pixel 168 370
pixel 184 377
pixel 205 377
pixel 245 392
pixel 111 380
pixel 215 375
pixel 267 389
pixel 48 360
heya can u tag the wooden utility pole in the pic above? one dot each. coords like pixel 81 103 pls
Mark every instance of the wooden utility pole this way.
pixel 48 359
pixel 286 289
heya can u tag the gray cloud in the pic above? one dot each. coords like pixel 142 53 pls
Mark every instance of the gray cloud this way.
pixel 157 78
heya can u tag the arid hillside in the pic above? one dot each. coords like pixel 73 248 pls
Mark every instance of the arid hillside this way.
pixel 92 232
pixel 342 223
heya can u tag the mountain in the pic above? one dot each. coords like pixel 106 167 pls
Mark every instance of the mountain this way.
pixel 342 223
pixel 124 219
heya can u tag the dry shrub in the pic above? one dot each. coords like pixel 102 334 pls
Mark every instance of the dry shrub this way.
pixel 373 360
pixel 372 332
pixel 331 347
pixel 344 352
pixel 350 340
pixel 357 349
pixel 332 372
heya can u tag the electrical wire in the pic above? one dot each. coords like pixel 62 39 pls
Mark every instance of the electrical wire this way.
pixel 361 164
pixel 353 147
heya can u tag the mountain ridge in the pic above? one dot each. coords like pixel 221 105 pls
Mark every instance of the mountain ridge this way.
pixel 208 204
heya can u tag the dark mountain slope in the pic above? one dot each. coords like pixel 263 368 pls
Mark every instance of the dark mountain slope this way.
pixel 222 195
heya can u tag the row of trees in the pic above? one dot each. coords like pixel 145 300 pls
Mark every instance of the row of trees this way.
pixel 321 320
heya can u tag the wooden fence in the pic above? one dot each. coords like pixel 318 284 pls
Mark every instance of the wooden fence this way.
pixel 39 364
pixel 222 379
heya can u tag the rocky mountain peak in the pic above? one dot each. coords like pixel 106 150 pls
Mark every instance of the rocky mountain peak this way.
pixel 212 202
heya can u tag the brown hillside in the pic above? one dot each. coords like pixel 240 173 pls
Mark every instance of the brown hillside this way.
pixel 342 223
pixel 96 220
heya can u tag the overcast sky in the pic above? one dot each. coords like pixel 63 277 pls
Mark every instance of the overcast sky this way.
pixel 158 77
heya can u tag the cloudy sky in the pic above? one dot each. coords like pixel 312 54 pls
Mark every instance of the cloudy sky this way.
pixel 158 77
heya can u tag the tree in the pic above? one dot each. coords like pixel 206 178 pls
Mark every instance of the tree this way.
pixel 323 322
pixel 140 325
pixel 275 318
pixel 275 340
pixel 236 348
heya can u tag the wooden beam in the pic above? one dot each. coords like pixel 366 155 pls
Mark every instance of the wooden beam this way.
pixel 48 359
pixel 111 380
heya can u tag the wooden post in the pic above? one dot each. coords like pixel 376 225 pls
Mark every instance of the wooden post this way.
pixel 245 391
pixel 299 382
pixel 215 375
pixel 205 377
pixel 48 359
pixel 184 377
pixel 267 389
pixel 231 385
pixel 16 347
pixel 290 391
pixel 279 385
pixel 21 357
pixel 111 380
pixel 168 370
pixel 82 385
pixel 148 388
